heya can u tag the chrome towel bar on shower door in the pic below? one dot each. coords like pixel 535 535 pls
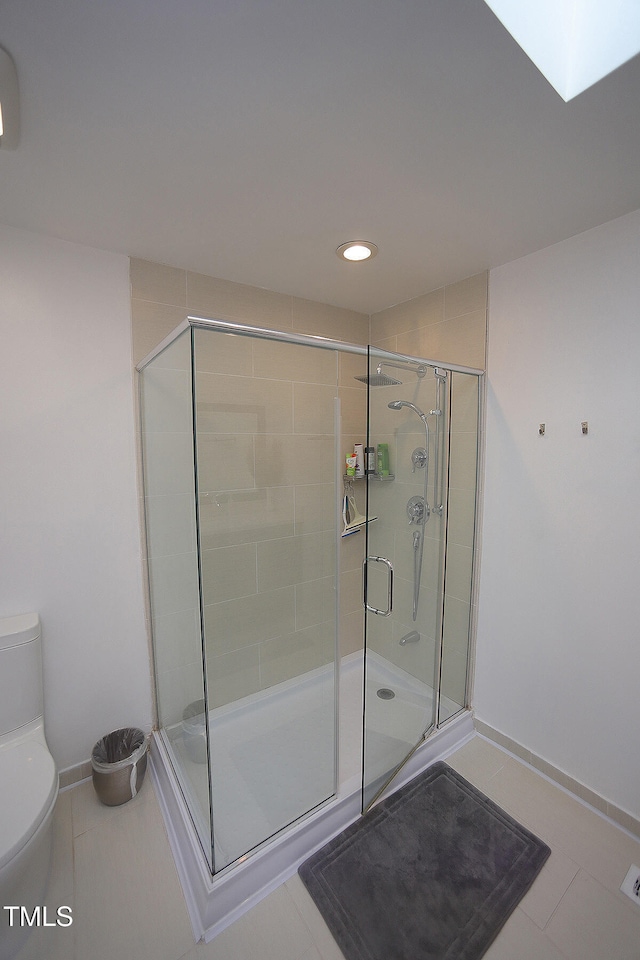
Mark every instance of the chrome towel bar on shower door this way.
pixel 389 566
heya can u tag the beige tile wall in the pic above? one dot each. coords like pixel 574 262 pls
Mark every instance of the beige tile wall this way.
pixel 266 463
pixel 448 324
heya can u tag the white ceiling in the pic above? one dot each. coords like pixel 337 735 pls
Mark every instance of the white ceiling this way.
pixel 246 139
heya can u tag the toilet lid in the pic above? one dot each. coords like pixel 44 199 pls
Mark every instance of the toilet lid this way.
pixel 29 784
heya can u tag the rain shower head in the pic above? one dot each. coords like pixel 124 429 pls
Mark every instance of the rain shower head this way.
pixel 379 380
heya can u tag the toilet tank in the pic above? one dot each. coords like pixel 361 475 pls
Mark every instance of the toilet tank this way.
pixel 20 671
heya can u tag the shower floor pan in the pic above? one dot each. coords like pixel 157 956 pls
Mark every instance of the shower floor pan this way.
pixel 215 902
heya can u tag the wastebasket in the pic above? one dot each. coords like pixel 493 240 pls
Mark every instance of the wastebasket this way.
pixel 119 763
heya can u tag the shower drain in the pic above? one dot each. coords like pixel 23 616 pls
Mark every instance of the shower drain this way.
pixel 385 693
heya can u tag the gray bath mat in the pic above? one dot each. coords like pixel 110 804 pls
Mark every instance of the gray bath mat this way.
pixel 431 873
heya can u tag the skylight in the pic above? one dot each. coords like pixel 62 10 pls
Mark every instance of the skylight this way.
pixel 574 43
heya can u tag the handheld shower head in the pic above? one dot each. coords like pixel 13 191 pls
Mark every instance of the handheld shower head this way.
pixel 398 404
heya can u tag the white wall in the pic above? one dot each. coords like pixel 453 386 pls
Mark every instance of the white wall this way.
pixel 558 656
pixel 69 547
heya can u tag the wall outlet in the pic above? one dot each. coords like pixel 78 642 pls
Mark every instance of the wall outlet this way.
pixel 631 884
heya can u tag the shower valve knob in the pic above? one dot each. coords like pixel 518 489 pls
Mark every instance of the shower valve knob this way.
pixel 418 458
pixel 417 510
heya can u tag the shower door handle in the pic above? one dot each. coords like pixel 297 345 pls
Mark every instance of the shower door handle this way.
pixel 389 566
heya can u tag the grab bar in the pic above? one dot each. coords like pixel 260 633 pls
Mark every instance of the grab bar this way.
pixel 389 566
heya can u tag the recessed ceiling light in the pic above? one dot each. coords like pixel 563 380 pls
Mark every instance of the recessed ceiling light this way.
pixel 357 250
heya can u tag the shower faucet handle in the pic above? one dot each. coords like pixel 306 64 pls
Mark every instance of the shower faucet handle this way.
pixel 417 510
pixel 418 458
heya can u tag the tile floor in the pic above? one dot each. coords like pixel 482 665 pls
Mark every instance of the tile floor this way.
pixel 114 867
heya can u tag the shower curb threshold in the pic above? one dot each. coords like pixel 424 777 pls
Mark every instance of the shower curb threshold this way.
pixel 213 903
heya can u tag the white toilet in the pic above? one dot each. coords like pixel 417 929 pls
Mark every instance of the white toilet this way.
pixel 28 778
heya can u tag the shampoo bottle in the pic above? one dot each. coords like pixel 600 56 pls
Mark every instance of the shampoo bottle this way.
pixel 383 459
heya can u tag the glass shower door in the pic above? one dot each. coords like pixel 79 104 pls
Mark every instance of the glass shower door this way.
pixel 266 430
pixel 403 569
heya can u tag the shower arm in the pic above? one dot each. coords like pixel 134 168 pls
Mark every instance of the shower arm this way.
pixel 421 369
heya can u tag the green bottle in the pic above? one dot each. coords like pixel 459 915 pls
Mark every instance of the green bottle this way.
pixel 383 459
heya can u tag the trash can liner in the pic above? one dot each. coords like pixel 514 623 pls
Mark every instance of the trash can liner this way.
pixel 118 747
pixel 118 750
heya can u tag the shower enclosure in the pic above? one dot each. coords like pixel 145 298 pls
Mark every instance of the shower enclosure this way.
pixel 245 432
